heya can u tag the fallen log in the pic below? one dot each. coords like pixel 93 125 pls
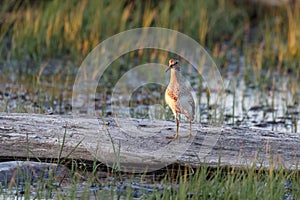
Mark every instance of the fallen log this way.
pixel 141 144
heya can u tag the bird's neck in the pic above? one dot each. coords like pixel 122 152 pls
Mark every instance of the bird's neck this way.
pixel 175 76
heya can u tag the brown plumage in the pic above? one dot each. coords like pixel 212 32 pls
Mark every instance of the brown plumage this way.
pixel 178 97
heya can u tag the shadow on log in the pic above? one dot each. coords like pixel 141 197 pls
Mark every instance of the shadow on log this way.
pixel 140 145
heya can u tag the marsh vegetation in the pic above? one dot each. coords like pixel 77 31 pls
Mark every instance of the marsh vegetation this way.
pixel 255 46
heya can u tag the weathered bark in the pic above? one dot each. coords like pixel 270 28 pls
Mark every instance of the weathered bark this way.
pixel 142 144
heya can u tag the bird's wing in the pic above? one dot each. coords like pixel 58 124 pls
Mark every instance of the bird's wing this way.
pixel 186 103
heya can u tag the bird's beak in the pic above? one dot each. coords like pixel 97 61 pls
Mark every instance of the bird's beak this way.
pixel 169 68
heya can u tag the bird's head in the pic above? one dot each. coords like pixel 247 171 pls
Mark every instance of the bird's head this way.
pixel 173 64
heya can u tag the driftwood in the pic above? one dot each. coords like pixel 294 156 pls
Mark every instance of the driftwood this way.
pixel 136 144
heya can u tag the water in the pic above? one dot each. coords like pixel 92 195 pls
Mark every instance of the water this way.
pixel 49 181
pixel 266 101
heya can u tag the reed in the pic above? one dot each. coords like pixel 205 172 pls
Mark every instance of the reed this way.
pixel 68 29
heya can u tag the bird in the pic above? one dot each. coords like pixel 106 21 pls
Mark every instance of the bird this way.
pixel 178 97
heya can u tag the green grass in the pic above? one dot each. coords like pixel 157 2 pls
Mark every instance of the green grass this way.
pixel 43 30
pixel 177 183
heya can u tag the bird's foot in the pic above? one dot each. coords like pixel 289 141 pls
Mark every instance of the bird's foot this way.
pixel 171 139
pixel 189 137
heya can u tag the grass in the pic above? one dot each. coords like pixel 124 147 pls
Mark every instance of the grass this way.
pixel 44 30
pixel 42 42
pixel 173 182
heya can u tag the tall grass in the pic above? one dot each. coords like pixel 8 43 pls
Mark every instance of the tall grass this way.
pixel 46 29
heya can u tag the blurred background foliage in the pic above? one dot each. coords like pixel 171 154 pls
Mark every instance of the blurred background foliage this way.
pixel 34 31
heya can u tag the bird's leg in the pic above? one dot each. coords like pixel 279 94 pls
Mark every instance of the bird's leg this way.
pixel 177 127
